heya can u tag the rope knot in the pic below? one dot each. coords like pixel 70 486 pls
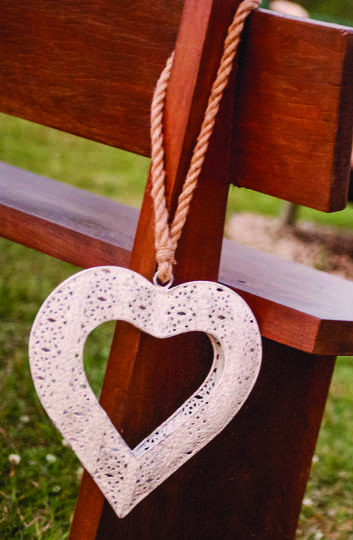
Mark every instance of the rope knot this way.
pixel 165 260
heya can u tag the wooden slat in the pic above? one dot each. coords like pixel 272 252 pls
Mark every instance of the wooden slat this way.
pixel 60 220
pixel 92 71
pixel 293 128
pixel 300 307
pixel 87 69
pixel 294 304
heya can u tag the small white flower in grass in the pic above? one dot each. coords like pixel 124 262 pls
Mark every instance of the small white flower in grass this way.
pixel 56 489
pixel 24 419
pixel 315 459
pixel 64 442
pixel 318 535
pixel 14 459
pixel 50 458
pixel 307 502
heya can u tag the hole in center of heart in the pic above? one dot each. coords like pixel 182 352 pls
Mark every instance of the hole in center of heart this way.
pixel 143 389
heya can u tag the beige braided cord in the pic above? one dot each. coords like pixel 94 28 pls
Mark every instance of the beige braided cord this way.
pixel 167 237
pixel 162 239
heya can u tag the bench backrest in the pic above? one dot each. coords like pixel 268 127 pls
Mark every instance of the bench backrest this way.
pixel 91 71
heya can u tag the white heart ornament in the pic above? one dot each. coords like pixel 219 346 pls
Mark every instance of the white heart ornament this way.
pixel 93 296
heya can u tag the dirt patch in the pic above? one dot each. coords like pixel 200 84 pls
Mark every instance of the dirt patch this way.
pixel 326 248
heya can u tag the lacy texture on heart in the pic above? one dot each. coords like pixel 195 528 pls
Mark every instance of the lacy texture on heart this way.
pixel 89 298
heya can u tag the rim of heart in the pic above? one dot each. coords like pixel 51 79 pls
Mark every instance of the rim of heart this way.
pixel 93 296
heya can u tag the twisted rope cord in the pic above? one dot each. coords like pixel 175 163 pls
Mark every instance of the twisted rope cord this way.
pixel 167 236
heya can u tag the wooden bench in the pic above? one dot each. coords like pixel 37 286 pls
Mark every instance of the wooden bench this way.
pixel 285 128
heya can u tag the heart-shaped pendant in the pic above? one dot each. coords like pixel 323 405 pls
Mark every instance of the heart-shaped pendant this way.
pixel 93 296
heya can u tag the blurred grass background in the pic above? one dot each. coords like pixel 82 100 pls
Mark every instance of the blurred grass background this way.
pixel 39 475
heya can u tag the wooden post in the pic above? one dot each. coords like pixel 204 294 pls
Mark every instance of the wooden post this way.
pixel 149 379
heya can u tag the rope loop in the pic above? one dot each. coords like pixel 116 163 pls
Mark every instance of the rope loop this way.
pixel 164 285
pixel 167 236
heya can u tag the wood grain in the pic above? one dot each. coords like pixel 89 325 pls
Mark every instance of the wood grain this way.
pixel 98 67
pixel 89 71
pixel 266 452
pixel 303 308
pixel 63 221
pixel 139 366
pixel 92 72
pixel 303 101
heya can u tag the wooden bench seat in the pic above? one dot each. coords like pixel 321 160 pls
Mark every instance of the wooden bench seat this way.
pixel 295 305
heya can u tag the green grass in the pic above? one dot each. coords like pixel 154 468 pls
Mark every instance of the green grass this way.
pixel 38 494
pixel 73 160
pixel 328 504
pixel 335 11
pixel 114 173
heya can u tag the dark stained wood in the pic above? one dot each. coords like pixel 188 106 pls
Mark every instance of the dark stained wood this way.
pixel 304 104
pixel 99 65
pixel 63 221
pixel 266 452
pixel 250 481
pixel 301 307
pixel 294 304
pixel 343 141
pixel 87 70
pixel 141 367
